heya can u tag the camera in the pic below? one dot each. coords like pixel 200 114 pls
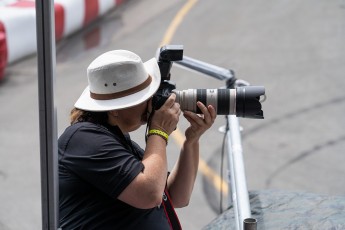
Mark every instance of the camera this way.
pixel 242 101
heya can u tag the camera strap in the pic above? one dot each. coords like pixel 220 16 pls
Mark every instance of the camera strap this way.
pixel 170 211
pixel 149 119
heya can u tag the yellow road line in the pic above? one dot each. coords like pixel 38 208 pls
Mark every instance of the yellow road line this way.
pixel 177 21
pixel 204 169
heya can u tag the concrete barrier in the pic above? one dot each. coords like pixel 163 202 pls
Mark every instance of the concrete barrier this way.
pixel 18 24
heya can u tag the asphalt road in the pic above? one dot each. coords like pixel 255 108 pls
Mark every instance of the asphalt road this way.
pixel 295 49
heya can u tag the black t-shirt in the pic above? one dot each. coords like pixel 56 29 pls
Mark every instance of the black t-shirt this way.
pixel 96 163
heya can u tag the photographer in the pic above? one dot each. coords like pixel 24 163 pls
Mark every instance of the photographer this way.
pixel 106 180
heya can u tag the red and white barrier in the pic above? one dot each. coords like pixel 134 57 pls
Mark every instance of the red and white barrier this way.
pixel 95 36
pixel 18 24
pixel 3 50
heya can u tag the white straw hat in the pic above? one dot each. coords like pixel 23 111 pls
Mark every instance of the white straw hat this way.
pixel 119 79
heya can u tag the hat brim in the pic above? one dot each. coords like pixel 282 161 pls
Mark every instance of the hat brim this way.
pixel 85 102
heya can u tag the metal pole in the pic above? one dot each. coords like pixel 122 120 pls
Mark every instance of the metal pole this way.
pixel 206 68
pixel 45 26
pixel 238 181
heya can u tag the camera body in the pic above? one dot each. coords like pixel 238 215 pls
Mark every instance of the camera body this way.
pixel 167 54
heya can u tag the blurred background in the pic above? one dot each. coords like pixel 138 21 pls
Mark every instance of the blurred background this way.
pixel 294 48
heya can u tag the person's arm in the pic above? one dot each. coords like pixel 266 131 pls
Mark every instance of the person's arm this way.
pixel 182 177
pixel 146 190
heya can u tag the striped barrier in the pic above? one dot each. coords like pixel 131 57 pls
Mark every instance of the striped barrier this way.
pixel 18 24
pixel 3 50
pixel 94 36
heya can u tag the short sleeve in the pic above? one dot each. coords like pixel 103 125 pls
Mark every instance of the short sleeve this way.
pixel 98 158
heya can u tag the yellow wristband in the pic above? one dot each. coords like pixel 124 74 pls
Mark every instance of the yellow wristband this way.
pixel 159 133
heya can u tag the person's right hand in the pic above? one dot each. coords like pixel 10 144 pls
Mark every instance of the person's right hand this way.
pixel 166 117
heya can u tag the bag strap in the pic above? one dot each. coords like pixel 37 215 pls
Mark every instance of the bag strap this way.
pixel 170 211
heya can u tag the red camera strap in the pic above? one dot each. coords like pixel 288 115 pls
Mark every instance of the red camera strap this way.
pixel 170 212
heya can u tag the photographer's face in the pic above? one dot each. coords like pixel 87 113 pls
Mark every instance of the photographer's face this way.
pixel 130 119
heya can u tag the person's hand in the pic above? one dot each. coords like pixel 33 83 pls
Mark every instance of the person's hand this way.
pixel 199 123
pixel 166 117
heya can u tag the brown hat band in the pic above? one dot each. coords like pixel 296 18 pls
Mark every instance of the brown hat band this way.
pixel 124 93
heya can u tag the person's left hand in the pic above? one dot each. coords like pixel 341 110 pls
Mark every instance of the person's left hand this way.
pixel 199 123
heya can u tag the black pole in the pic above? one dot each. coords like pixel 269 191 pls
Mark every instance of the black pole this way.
pixel 45 26
pixel 249 224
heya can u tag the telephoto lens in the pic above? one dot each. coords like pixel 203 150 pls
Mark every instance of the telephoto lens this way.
pixel 242 101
